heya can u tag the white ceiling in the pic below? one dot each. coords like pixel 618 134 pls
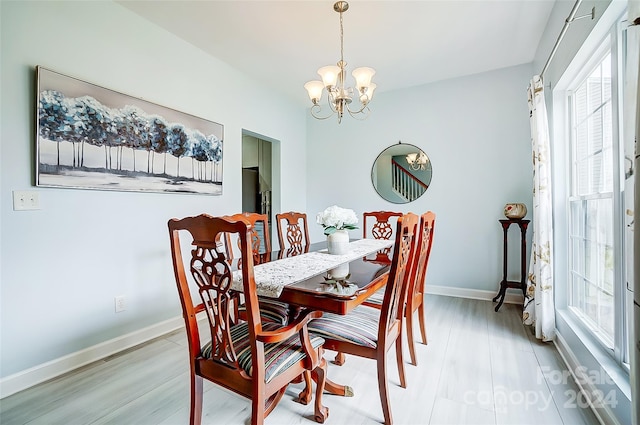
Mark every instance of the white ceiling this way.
pixel 408 43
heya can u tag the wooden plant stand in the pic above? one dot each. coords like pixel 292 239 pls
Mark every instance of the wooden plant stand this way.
pixel 506 284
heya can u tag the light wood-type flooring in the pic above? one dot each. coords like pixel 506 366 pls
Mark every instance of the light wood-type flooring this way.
pixel 480 367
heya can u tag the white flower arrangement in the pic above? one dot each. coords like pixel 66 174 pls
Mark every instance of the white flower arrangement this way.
pixel 336 218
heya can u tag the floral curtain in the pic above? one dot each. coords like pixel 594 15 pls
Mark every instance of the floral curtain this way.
pixel 629 108
pixel 539 309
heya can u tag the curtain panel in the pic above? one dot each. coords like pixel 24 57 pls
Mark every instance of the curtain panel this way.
pixel 539 309
pixel 630 114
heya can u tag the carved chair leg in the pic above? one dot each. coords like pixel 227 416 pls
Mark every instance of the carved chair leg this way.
pixel 195 408
pixel 298 379
pixel 258 409
pixel 382 387
pixel 400 361
pixel 410 341
pixel 423 326
pixel 321 413
pixel 340 359
pixel 305 395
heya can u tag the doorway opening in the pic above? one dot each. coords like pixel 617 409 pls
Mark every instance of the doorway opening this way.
pixel 258 180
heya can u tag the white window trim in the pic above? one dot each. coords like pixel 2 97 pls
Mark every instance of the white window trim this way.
pixel 604 36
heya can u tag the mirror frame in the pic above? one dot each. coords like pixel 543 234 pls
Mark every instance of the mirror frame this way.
pixel 414 186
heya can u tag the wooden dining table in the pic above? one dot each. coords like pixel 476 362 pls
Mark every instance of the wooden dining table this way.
pixel 368 272
pixel 301 280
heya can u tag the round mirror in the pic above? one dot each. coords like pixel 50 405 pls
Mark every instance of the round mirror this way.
pixel 401 173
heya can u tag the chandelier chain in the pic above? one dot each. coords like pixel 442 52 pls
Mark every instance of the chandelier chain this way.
pixel 341 39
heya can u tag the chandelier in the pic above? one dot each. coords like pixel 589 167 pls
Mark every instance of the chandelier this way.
pixel 417 161
pixel 339 97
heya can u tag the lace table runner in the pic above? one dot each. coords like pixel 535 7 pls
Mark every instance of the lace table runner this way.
pixel 273 276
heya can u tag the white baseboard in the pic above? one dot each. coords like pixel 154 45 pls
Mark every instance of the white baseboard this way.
pixel 476 294
pixel 604 414
pixel 40 373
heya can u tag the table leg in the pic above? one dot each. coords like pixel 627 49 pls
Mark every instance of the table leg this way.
pixel 501 295
pixel 336 389
pixel 331 388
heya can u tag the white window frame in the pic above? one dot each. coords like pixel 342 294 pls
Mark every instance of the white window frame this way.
pixel 578 70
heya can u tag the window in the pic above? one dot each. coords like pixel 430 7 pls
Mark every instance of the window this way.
pixel 592 179
pixel 592 192
pixel 591 200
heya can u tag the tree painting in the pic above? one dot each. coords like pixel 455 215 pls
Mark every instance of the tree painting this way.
pixel 84 142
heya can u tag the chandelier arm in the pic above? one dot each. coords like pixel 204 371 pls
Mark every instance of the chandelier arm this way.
pixel 363 112
pixel 358 111
pixel 331 100
pixel 361 116
pixel 317 109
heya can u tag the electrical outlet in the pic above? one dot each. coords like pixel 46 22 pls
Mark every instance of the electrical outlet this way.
pixel 24 200
pixel 121 303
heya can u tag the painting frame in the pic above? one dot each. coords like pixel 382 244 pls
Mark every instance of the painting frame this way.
pixel 92 137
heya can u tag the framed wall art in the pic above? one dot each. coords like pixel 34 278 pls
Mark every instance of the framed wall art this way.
pixel 90 137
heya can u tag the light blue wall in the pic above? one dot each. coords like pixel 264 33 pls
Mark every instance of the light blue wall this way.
pixel 62 266
pixel 475 131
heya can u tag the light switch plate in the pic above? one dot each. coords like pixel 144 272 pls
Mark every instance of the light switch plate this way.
pixel 24 200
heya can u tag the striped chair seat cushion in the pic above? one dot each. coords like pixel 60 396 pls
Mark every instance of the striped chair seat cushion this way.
pixel 377 298
pixel 271 310
pixel 358 327
pixel 278 356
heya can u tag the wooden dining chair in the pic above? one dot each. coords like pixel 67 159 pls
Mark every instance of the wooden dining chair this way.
pixel 417 277
pixel 252 358
pixel 270 308
pixel 376 225
pixel 379 224
pixel 294 238
pixel 369 332
pixel 416 283
pixel 260 240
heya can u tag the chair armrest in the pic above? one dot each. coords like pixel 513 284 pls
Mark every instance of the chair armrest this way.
pixel 289 330
pixel 313 357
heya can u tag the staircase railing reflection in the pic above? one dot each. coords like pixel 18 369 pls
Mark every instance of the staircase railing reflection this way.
pixel 405 184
